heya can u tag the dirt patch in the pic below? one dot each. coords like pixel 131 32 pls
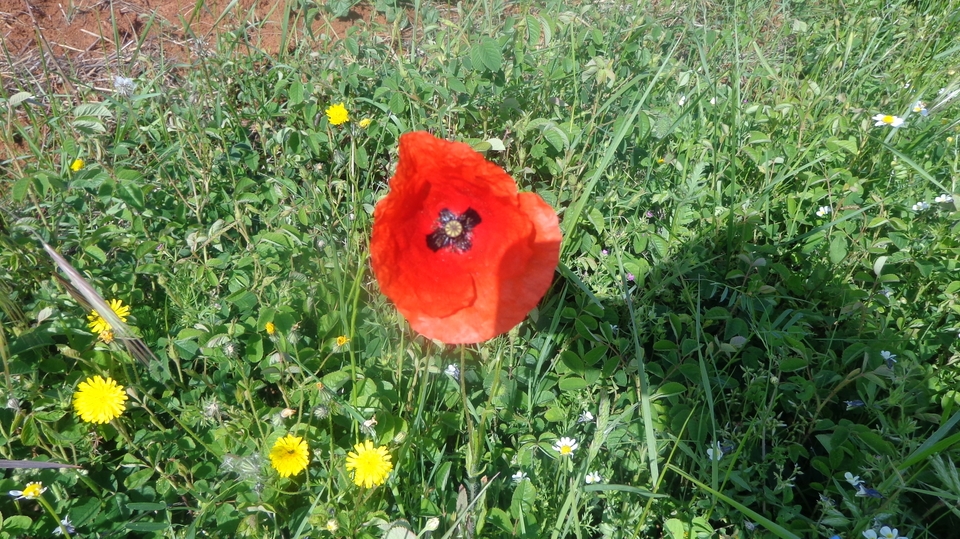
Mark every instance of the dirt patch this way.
pixel 89 42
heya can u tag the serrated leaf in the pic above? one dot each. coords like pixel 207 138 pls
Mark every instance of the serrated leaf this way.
pixel 18 98
pixel 487 54
pixel 92 109
pixel 295 93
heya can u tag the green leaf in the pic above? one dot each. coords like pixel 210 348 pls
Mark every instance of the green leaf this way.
pixel 295 93
pixel 397 103
pixel 487 54
pixel 792 364
pixel 146 506
pixel 838 248
pixel 18 98
pixel 21 187
pixel 243 299
pixel 96 253
pixel 572 383
pixel 92 109
pixel 523 497
pixel 146 527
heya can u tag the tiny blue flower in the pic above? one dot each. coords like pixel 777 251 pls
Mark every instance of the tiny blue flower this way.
pixel 865 492
pixel 853 479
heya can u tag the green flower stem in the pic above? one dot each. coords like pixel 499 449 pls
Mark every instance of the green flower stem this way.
pixel 56 518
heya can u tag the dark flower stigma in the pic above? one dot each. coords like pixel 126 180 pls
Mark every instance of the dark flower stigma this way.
pixel 453 231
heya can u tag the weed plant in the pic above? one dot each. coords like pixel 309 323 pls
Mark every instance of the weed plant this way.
pixel 753 331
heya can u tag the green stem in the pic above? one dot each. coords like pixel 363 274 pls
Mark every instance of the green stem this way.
pixel 56 518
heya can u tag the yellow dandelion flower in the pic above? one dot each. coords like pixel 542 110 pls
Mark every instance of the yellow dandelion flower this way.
pixel 98 400
pixel 290 455
pixel 271 328
pixel 77 165
pixel 337 114
pixel 370 465
pixel 98 324
pixel 365 123
pixel 342 340
pixel 30 492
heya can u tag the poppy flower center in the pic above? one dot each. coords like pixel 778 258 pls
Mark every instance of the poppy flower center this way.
pixel 453 232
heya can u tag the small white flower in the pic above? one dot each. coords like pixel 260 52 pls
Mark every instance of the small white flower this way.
pixel 66 524
pixel 682 101
pixel 519 476
pixel 823 211
pixel 585 417
pixel 566 446
pixel 887 356
pixel 715 452
pixel 31 492
pixel 870 534
pixel 887 533
pixel 943 199
pixel 124 86
pixel 713 100
pixel 920 107
pixel 920 206
pixel 886 119
pixel 593 477
pixel 453 372
pixel 853 479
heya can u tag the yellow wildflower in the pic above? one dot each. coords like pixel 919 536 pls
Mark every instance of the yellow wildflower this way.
pixel 98 400
pixel 98 324
pixel 290 455
pixel 370 465
pixel 337 114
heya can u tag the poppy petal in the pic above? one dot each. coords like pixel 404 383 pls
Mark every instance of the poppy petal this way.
pixel 512 247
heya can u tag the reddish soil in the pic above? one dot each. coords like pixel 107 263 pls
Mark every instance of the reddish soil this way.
pixel 91 41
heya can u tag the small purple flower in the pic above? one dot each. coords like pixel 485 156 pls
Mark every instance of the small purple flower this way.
pixel 649 214
pixel 604 252
pixel 630 277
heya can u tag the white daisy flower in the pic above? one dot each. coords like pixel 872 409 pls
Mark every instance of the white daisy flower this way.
pixel 886 119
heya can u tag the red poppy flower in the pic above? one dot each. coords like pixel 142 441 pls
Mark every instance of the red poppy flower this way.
pixel 462 254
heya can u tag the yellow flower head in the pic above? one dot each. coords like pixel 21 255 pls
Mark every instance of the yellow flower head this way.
pixel 365 123
pixel 98 324
pixel 77 165
pixel 98 400
pixel 337 114
pixel 106 336
pixel 31 492
pixel 289 455
pixel 342 340
pixel 271 328
pixel 370 465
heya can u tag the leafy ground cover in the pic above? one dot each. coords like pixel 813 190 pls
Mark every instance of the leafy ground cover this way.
pixel 752 332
